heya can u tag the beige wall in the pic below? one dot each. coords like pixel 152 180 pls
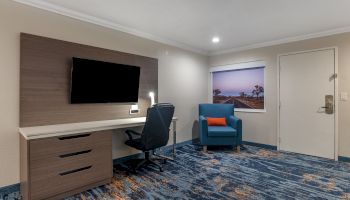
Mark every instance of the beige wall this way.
pixel 183 77
pixel 262 127
pixel 182 74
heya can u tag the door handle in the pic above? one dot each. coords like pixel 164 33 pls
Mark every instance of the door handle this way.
pixel 329 104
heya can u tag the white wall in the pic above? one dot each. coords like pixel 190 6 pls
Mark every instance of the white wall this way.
pixel 182 74
pixel 262 127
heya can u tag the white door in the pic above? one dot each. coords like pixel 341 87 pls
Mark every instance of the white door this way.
pixel 306 126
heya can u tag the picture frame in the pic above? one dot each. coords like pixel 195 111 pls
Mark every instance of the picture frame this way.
pixel 242 84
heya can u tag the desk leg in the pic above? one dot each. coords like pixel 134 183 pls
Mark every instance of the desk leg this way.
pixel 174 139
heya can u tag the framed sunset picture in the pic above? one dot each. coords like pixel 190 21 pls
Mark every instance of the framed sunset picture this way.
pixel 241 84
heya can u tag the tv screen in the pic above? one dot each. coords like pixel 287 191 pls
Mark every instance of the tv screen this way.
pixel 103 82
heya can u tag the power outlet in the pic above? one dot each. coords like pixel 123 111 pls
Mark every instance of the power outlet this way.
pixel 133 112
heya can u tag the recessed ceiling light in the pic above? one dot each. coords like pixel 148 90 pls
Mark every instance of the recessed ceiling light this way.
pixel 215 40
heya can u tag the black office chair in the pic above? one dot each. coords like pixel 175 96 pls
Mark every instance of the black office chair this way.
pixel 155 133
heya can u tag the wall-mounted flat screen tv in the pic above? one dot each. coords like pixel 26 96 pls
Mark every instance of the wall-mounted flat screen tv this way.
pixel 103 82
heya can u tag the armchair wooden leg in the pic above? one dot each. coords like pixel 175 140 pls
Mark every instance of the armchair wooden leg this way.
pixel 205 149
pixel 238 148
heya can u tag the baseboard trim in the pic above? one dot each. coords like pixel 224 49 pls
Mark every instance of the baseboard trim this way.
pixel 265 146
pixel 6 190
pixel 343 159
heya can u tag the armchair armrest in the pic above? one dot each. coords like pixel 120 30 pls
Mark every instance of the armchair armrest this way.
pixel 130 132
pixel 203 128
pixel 203 122
pixel 236 123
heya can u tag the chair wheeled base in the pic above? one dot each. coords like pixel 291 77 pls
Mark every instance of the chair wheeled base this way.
pixel 147 161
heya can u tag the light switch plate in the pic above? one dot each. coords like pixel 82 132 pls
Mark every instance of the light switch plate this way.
pixel 343 96
pixel 134 109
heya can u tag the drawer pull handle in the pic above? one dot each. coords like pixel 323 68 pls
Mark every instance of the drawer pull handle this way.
pixel 75 170
pixel 74 136
pixel 75 153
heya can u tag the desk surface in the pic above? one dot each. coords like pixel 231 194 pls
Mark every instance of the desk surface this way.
pixel 37 132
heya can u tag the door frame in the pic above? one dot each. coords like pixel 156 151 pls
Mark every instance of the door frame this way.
pixel 336 94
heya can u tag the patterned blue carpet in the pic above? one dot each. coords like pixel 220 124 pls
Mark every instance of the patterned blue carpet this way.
pixel 255 173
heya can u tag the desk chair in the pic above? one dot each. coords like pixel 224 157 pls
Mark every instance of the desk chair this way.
pixel 155 133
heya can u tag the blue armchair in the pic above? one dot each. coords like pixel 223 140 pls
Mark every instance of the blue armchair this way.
pixel 219 135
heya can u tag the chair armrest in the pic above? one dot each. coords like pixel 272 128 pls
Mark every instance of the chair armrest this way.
pixel 203 120
pixel 130 132
pixel 203 126
pixel 235 122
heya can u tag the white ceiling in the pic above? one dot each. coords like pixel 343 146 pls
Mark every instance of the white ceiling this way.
pixel 190 24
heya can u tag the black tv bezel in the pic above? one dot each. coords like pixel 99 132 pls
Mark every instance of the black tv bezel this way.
pixel 107 102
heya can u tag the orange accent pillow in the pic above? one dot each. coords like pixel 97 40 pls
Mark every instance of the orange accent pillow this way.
pixel 216 121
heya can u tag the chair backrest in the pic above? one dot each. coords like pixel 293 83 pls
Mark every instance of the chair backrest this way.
pixel 216 110
pixel 155 133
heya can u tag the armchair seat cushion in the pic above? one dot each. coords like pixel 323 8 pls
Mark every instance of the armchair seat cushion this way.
pixel 221 131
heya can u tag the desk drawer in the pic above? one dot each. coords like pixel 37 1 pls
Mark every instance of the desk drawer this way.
pixel 57 164
pixel 61 164
pixel 50 147
pixel 75 176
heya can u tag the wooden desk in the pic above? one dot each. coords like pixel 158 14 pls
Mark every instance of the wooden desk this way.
pixel 64 159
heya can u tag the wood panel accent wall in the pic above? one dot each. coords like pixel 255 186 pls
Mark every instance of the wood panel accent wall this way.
pixel 45 82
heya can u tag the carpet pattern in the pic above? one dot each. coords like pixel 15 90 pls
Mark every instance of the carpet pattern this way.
pixel 255 173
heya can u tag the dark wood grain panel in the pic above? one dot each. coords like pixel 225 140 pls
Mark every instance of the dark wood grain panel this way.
pixel 45 82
